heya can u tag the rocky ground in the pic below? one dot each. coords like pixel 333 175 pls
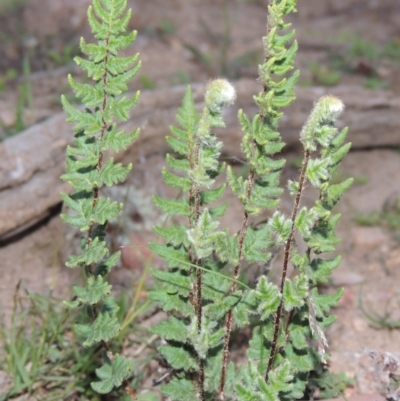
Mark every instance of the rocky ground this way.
pixel 349 43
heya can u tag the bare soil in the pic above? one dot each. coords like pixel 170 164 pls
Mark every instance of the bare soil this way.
pixel 169 37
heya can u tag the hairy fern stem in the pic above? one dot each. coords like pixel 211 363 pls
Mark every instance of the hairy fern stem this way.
pixel 229 317
pixel 287 248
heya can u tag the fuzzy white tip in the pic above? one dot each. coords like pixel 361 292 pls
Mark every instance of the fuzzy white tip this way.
pixel 219 93
pixel 335 105
pixel 228 92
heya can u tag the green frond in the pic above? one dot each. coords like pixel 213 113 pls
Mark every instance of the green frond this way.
pixel 220 307
pixel 101 12
pixel 171 303
pixel 213 375
pixel 265 165
pixel 335 192
pixel 120 108
pixel 226 248
pixel 301 360
pixel 105 265
pixel 236 183
pixel 299 335
pixel 96 290
pixel 85 120
pixel 188 116
pixel 172 207
pixel 121 64
pixel 305 221
pixel 174 281
pixel 119 83
pixel 81 207
pixel 176 181
pixel 285 63
pixel 247 394
pixel 324 135
pixel 215 287
pixel 279 41
pixel 172 257
pixel 177 145
pixel 180 389
pixel 87 171
pixel 259 346
pixel 323 238
pixel 172 329
pixel 118 139
pixel 178 357
pixel 84 154
pixel 100 30
pixel 268 296
pixel 111 173
pixel 324 302
pixel 95 52
pixel 90 95
pixel 321 269
pixel 295 292
pixel 294 187
pixel 203 235
pixel 205 339
pixel 337 142
pixel 79 180
pixel 103 328
pixel 105 210
pixel 338 154
pixel 280 227
pixel 244 309
pixel 212 195
pixel 91 253
pixel 317 171
pixel 280 378
pixel 177 164
pixel 112 374
pixel 256 244
pixel 218 211
pixel 121 42
pixel 174 235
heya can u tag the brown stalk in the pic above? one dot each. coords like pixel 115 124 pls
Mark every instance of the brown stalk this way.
pixel 100 161
pixel 90 268
pixel 243 229
pixel 287 249
pixel 228 318
pixel 194 201
pixel 292 312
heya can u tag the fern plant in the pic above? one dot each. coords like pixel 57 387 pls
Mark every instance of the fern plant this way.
pixel 88 171
pixel 201 290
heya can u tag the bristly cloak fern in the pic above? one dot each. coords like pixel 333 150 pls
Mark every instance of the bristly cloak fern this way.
pixel 88 171
pixel 193 290
pixel 203 303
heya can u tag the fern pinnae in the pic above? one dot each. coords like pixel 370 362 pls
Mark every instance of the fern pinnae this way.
pixel 194 142
pixel 261 138
pixel 87 172
pixel 202 302
pixel 218 94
